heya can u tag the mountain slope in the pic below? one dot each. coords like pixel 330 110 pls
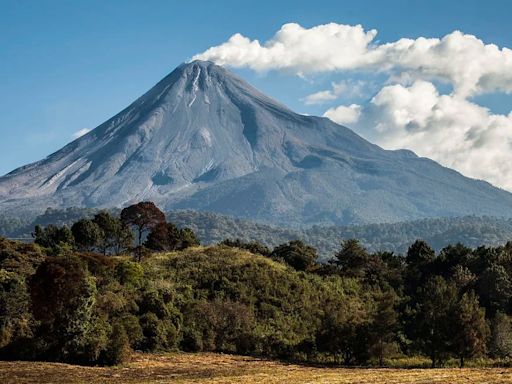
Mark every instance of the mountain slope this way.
pixel 204 139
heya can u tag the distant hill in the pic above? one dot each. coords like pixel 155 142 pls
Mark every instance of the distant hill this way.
pixel 212 228
pixel 204 139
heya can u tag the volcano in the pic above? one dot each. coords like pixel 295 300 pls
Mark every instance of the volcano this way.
pixel 204 139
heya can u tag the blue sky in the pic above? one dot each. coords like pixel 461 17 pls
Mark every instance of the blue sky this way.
pixel 70 65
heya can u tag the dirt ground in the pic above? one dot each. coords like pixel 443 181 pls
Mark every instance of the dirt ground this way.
pixel 217 368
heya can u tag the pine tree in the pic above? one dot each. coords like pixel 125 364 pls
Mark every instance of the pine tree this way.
pixel 384 325
pixel 433 321
pixel 470 331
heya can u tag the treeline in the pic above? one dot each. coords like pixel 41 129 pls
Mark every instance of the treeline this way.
pixel 69 297
pixel 212 228
pixel 110 235
pixel 472 231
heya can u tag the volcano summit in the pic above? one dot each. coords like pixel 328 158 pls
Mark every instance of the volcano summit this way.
pixel 204 139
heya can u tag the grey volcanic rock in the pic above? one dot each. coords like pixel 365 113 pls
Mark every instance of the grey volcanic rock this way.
pixel 204 139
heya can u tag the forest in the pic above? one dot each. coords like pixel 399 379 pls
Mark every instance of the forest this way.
pixel 109 284
pixel 212 228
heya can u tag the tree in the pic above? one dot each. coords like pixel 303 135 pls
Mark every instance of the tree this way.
pixel 221 326
pixel 419 259
pixel 159 334
pixel 62 295
pixel 501 336
pixel 167 237
pixel 116 236
pixel 122 238
pixel 495 289
pixel 432 327
pixel 252 246
pixel 188 238
pixel 297 254
pixel 163 237
pixel 463 277
pixel 87 234
pixel 453 256
pixel 384 326
pixel 118 349
pixel 15 315
pixel 17 262
pixel 53 237
pixel 470 331
pixel 352 259
pixel 419 253
pixel 141 252
pixel 144 216
pixel 342 331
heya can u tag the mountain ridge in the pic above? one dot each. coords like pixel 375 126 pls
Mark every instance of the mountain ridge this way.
pixel 202 138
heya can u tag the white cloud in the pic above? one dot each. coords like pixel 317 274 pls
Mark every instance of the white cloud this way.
pixel 447 128
pixel 344 114
pixel 347 88
pixel 80 133
pixel 319 97
pixel 325 47
pixel 463 60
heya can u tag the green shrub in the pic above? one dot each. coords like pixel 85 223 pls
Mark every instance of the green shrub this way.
pixel 118 349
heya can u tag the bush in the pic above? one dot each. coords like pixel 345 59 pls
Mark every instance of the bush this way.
pixel 159 334
pixel 297 254
pixel 118 350
pixel 130 273
pixel 133 330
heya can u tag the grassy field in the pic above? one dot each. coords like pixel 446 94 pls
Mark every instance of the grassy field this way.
pixel 215 368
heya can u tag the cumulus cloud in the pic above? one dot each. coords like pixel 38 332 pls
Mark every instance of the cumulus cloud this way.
pixel 344 114
pixel 447 128
pixel 320 97
pixel 347 88
pixel 463 60
pixel 471 66
pixel 80 133
pixel 322 48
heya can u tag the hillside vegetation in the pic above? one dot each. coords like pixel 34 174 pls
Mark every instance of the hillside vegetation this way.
pixel 111 285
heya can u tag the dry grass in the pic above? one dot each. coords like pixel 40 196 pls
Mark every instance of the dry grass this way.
pixel 213 368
